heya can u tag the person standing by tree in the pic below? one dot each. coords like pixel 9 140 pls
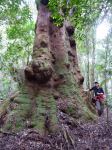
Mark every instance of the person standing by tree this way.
pixel 98 97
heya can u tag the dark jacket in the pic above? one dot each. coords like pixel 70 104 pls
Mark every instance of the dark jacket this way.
pixel 97 90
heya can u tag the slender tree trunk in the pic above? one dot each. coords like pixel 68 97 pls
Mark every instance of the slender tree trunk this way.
pixel 93 56
pixel 105 77
pixel 88 63
pixel 111 84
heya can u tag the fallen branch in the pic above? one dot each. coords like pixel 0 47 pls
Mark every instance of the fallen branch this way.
pixel 8 133
pixel 70 138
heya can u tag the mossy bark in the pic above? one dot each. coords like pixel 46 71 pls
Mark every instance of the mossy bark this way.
pixel 52 75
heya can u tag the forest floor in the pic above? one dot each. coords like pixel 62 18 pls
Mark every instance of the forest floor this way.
pixel 90 136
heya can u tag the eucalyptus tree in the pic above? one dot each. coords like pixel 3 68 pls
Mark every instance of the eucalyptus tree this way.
pixel 52 81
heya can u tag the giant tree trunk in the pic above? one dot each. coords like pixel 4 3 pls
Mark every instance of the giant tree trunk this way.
pixel 53 81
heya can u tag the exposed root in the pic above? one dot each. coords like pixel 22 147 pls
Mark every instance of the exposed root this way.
pixel 90 136
pixel 65 136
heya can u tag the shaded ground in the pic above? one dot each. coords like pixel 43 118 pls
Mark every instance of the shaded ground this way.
pixel 73 136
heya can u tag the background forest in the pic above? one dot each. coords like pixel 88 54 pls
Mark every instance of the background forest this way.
pixel 93 33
